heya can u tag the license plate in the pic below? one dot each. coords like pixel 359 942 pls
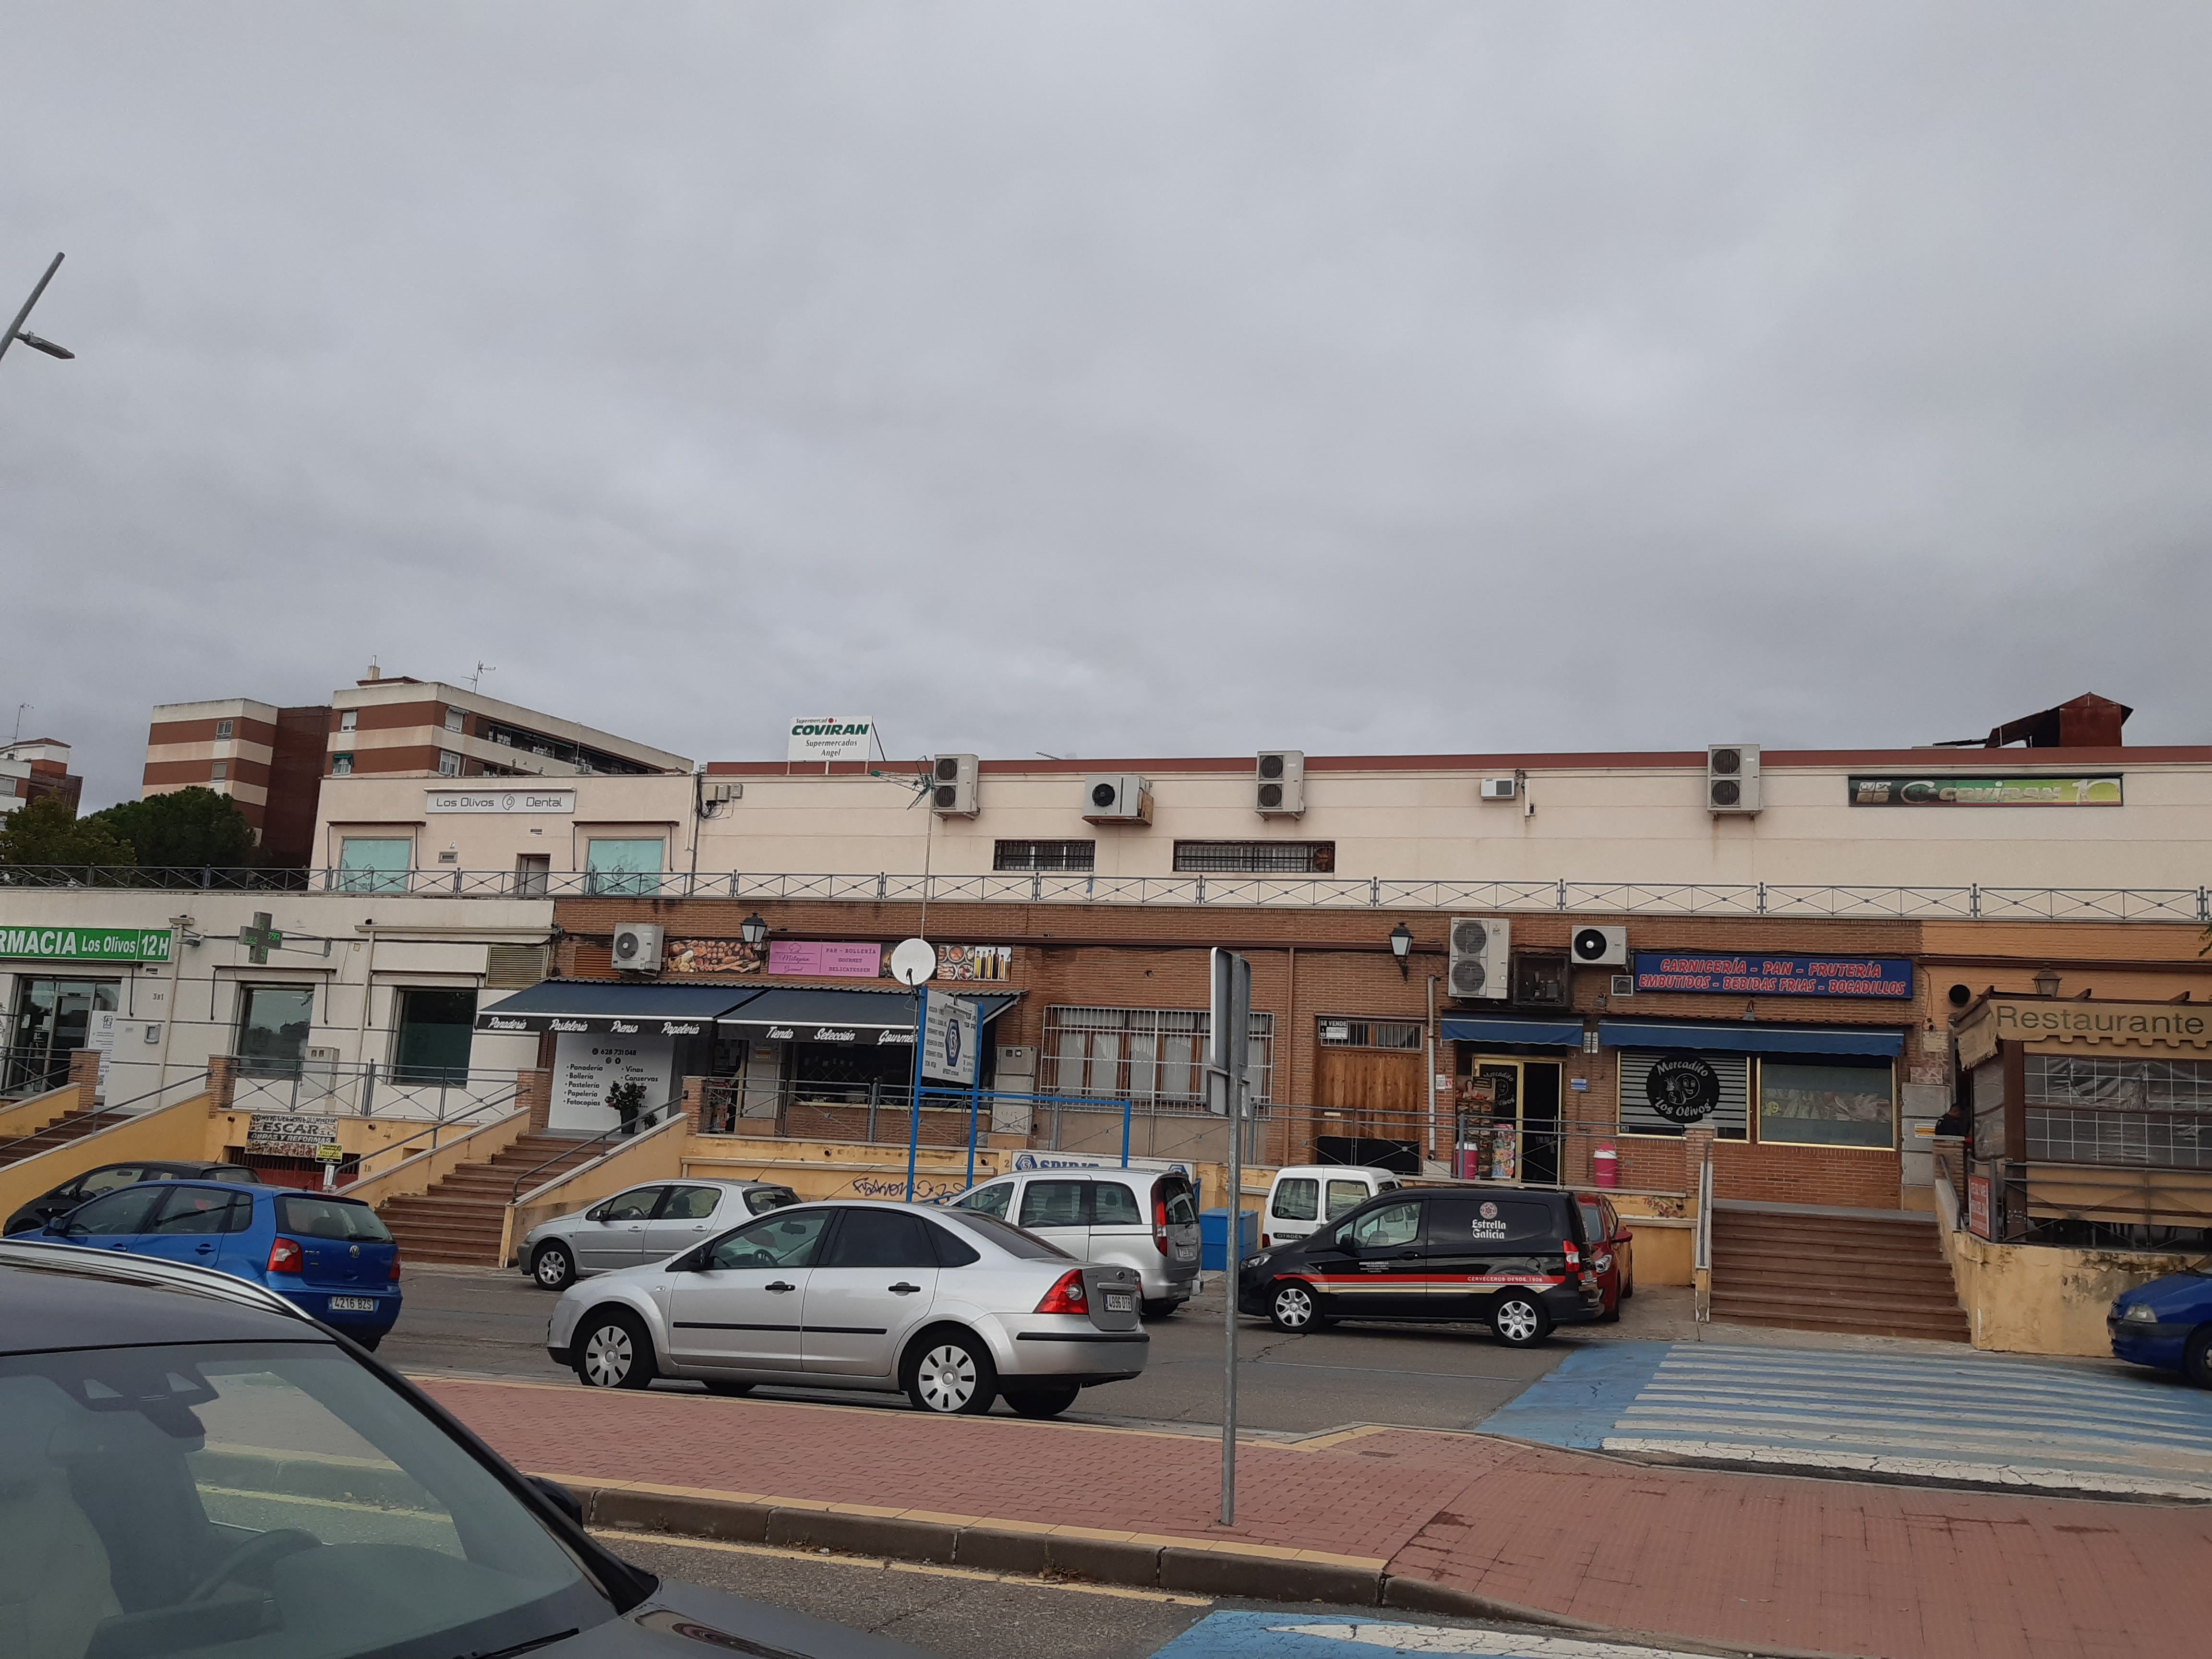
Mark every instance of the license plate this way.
pixel 1120 1301
pixel 353 1304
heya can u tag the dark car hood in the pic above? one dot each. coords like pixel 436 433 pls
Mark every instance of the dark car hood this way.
pixel 2189 1294
pixel 685 1621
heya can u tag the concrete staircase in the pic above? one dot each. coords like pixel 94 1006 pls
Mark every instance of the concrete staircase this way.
pixel 1866 1273
pixel 58 1131
pixel 457 1220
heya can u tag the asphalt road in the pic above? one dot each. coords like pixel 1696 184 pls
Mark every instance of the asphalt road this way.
pixel 494 1324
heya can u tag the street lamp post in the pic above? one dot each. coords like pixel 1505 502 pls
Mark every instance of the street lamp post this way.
pixel 17 331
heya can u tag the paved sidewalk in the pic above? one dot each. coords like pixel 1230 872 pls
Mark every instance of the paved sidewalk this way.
pixel 1752 1561
pixel 1954 1416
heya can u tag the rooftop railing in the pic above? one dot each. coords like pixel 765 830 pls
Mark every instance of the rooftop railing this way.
pixel 1828 901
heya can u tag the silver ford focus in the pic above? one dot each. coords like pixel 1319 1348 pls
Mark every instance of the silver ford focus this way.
pixel 951 1308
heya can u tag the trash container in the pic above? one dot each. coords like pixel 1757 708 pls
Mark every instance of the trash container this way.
pixel 1605 1167
pixel 1214 1238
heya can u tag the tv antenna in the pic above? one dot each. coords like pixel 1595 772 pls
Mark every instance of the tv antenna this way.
pixel 483 669
pixel 18 738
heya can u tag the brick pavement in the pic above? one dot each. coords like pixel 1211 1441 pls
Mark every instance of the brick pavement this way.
pixel 1750 1560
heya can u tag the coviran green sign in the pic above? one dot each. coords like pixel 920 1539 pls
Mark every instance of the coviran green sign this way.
pixel 1900 789
pixel 86 944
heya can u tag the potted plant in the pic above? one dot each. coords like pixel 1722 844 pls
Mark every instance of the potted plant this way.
pixel 628 1098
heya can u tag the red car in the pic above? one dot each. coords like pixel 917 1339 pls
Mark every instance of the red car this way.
pixel 1613 1247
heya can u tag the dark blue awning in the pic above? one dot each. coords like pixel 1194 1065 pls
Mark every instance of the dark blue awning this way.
pixel 1507 1028
pixel 1750 1038
pixel 623 1006
pixel 807 1013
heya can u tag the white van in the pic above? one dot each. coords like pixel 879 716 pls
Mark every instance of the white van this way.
pixel 1307 1197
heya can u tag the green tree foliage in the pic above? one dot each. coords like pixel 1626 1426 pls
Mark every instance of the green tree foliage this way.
pixel 183 829
pixel 45 831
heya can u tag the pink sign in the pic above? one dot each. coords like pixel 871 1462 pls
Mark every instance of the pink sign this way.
pixel 825 958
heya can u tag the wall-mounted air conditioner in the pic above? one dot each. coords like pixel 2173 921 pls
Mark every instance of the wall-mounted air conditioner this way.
pixel 1599 947
pixel 1481 954
pixel 637 947
pixel 1732 777
pixel 1116 798
pixel 1278 783
pixel 1500 788
pixel 952 791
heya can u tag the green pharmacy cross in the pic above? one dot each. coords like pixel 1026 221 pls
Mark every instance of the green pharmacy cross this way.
pixel 260 938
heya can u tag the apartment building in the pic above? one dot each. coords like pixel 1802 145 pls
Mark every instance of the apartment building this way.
pixel 34 767
pixel 268 760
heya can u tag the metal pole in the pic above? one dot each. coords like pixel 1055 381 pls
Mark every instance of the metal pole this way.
pixel 913 1101
pixel 1128 1109
pixel 24 315
pixel 975 1106
pixel 1232 1257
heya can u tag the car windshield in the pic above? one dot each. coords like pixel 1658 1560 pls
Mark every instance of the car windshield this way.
pixel 330 1217
pixel 238 1501
pixel 1013 1240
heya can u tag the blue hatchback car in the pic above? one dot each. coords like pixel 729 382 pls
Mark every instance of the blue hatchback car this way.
pixel 329 1255
pixel 2166 1323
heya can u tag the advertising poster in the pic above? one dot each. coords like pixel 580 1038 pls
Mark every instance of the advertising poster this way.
pixel 726 956
pixel 825 958
pixel 975 961
pixel 586 1065
pixel 948 1052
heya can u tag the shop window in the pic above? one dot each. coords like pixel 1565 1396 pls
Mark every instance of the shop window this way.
pixel 1807 1103
pixel 1256 858
pixel 1642 1096
pixel 2148 1112
pixel 622 869
pixel 375 864
pixel 432 1033
pixel 273 1024
pixel 1077 857
pixel 1154 1054
pixel 53 1019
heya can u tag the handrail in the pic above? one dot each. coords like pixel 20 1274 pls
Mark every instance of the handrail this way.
pixel 645 1133
pixel 1701 1259
pixel 435 1124
pixel 8 1147
pixel 653 1117
pixel 1928 900
pixel 474 1130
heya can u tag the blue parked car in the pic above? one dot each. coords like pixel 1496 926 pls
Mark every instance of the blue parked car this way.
pixel 329 1255
pixel 2166 1323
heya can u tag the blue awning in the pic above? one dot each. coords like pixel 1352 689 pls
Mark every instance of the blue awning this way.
pixel 627 1006
pixel 1750 1039
pixel 1505 1028
pixel 813 1014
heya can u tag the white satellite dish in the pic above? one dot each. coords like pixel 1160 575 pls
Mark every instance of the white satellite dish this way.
pixel 913 961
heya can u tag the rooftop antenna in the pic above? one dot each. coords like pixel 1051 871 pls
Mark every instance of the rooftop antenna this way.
pixel 483 669
pixel 18 738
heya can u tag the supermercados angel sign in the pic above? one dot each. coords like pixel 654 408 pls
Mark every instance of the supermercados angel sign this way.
pixel 830 738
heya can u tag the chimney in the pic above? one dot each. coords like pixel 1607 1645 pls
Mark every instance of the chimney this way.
pixel 374 673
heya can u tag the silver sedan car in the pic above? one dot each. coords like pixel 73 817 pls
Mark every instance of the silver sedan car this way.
pixel 646 1223
pixel 951 1308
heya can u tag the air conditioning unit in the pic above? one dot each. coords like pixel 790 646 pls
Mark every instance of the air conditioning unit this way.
pixel 637 947
pixel 1624 985
pixel 1116 798
pixel 719 794
pixel 1481 954
pixel 952 785
pixel 1732 777
pixel 1278 783
pixel 1500 788
pixel 1541 981
pixel 1599 947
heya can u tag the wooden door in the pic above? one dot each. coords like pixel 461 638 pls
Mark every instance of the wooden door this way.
pixel 1379 1090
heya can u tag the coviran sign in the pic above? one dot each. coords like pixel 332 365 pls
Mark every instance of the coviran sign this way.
pixel 2123 1025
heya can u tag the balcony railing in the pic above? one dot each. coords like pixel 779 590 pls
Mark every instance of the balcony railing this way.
pixel 322 1088
pixel 1972 901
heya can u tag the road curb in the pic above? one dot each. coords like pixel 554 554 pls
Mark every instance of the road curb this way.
pixel 1195 1567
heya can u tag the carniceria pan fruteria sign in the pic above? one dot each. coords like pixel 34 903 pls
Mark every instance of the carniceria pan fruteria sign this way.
pixel 86 944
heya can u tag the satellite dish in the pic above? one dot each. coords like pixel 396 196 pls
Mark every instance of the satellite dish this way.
pixel 913 961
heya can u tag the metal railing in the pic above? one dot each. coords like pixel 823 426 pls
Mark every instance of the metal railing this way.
pixel 651 1118
pixel 2097 1206
pixel 322 1088
pixel 72 1127
pixel 1923 902
pixel 32 1069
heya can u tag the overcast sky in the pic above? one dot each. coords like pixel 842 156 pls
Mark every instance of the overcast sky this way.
pixel 1112 379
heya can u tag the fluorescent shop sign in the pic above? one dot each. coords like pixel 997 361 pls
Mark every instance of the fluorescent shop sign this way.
pixel 87 944
pixel 2100 789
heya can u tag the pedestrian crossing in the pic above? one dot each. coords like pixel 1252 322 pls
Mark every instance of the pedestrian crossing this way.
pixel 1971 1418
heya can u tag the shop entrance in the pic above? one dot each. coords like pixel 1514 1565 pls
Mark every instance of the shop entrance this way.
pixel 53 1019
pixel 1509 1118
pixel 1369 1089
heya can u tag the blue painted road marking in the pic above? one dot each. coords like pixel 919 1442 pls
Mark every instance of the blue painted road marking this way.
pixel 1302 1636
pixel 1968 1417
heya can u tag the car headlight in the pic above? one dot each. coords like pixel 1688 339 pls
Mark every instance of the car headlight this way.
pixel 2139 1314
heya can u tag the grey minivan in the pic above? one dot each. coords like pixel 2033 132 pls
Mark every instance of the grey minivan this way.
pixel 1146 1219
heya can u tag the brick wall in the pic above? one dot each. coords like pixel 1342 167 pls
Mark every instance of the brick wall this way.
pixel 1847 1175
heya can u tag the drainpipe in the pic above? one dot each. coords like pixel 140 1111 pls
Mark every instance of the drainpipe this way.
pixel 1431 1080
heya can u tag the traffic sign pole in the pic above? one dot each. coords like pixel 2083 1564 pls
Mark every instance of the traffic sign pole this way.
pixel 1230 1025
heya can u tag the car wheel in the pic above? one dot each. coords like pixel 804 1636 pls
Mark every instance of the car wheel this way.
pixel 2197 1357
pixel 1628 1279
pixel 1612 1315
pixel 950 1374
pixel 1045 1402
pixel 724 1386
pixel 613 1352
pixel 1160 1310
pixel 1290 1306
pixel 1520 1322
pixel 553 1267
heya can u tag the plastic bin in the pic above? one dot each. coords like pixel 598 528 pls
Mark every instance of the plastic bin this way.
pixel 1213 1238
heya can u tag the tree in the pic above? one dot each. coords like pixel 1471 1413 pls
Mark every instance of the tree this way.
pixel 45 831
pixel 185 829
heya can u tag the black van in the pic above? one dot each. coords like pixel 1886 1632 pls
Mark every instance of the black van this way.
pixel 1515 1258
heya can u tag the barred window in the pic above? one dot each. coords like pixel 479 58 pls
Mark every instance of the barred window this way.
pixel 1729 1120
pixel 1156 1055
pixel 1256 858
pixel 1370 1033
pixel 1078 856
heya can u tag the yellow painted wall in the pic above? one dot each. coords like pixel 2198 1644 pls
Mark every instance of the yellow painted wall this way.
pixel 2030 1298
pixel 178 1130
pixel 27 1117
pixel 1663 1250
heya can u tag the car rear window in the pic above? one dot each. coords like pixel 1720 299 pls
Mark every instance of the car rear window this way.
pixel 330 1217
pixel 233 1174
pixel 1298 1198
pixel 1182 1204
pixel 1012 1239
pixel 761 1200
